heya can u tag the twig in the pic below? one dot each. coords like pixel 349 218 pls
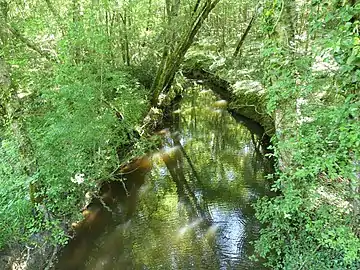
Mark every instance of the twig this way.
pixel 127 192
pixel 50 264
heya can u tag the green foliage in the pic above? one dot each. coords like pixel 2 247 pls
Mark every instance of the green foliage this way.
pixel 15 210
pixel 314 223
pixel 71 126
pixel 62 131
pixel 80 130
pixel 70 122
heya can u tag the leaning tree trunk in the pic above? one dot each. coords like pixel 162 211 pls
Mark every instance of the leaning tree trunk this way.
pixel 171 60
pixel 244 35
pixel 26 41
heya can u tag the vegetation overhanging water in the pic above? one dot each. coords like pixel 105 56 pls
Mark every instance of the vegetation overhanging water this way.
pixel 189 213
pixel 83 85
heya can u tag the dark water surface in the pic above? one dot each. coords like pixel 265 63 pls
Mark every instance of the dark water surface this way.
pixel 192 210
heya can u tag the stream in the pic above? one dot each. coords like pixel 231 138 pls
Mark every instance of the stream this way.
pixel 190 209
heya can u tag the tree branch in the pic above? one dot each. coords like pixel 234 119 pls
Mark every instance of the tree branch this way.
pixel 29 43
pixel 166 72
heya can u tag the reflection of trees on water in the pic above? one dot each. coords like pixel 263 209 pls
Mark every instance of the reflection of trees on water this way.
pixel 194 211
pixel 218 147
pixel 185 192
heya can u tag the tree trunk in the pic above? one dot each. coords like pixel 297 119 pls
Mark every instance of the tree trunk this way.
pixel 244 35
pixel 76 21
pixel 125 38
pixel 171 61
pixel 28 43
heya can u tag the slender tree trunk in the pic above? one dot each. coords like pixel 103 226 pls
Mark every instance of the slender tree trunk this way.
pixel 196 6
pixel 76 21
pixel 244 35
pixel 125 37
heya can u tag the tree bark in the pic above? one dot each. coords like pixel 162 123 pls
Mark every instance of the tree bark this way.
pixel 244 35
pixel 171 62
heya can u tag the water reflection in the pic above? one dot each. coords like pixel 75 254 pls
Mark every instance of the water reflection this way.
pixel 194 210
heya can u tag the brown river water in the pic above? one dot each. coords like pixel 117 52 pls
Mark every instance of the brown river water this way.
pixel 186 206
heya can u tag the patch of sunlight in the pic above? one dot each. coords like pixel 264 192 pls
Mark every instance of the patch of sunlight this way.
pixel 333 199
pixel 23 94
pixel 170 202
pixel 325 63
pixel 211 231
pixel 218 62
pixel 220 103
pixel 301 37
pixel 248 86
pixel 188 227
pixel 21 263
pixel 300 118
pixel 203 92
pixel 245 71
pixel 157 159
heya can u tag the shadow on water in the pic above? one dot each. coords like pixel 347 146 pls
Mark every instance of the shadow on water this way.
pixel 190 207
pixel 115 205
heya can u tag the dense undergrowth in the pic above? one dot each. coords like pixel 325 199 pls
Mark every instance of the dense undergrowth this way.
pixel 66 116
pixel 70 133
pixel 315 101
